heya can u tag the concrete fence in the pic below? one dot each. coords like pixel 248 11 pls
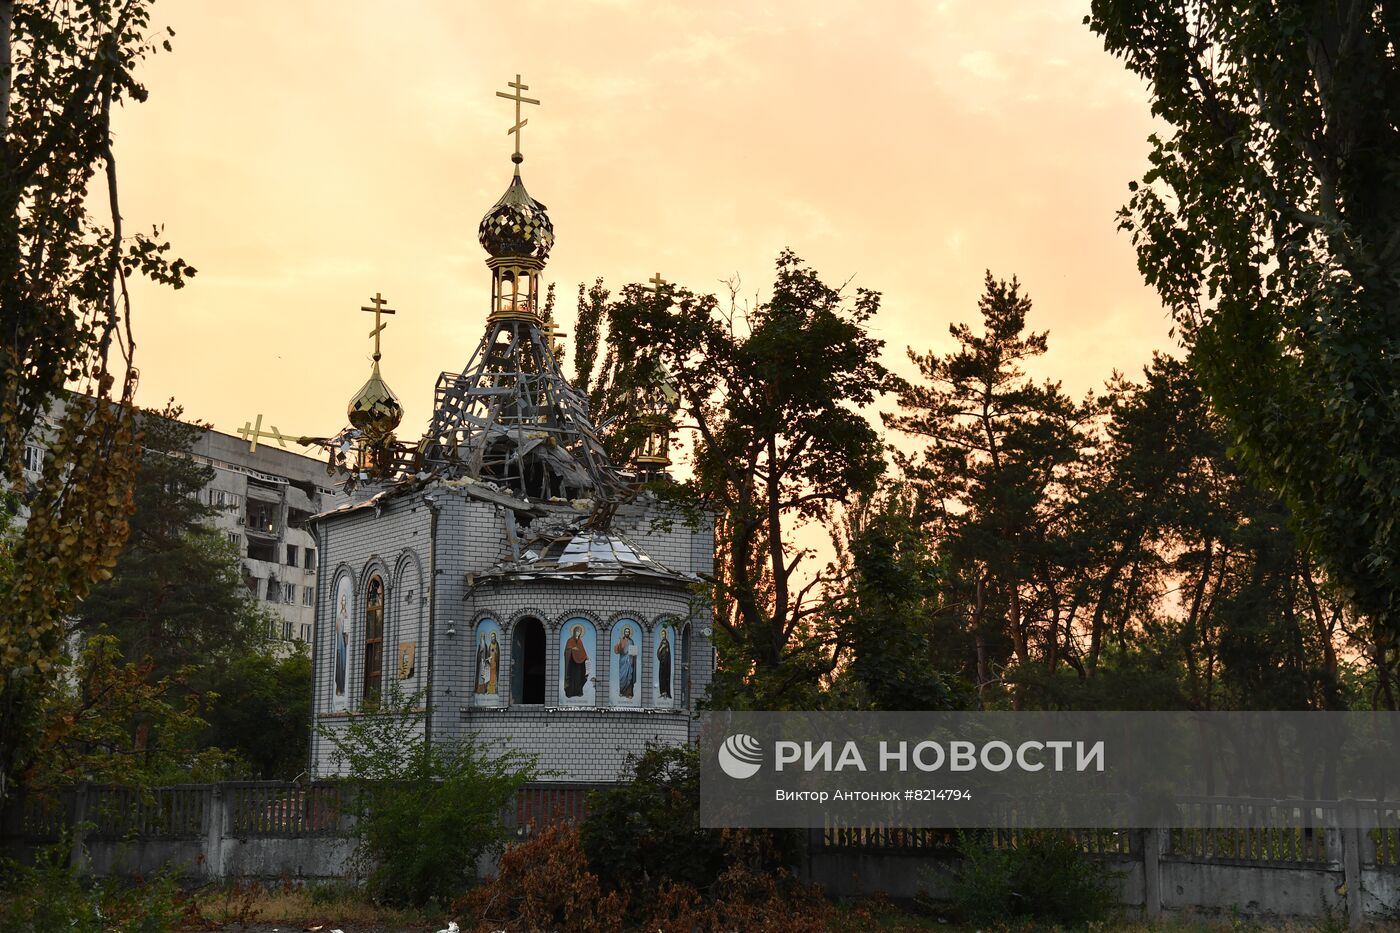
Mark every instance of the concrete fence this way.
pixel 1298 860
pixel 209 832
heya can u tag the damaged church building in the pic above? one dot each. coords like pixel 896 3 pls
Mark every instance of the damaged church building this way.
pixel 502 571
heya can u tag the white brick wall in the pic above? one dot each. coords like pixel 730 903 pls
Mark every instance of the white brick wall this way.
pixel 580 744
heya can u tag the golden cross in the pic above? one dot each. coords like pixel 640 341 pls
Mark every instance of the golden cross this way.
pixel 251 431
pixel 550 333
pixel 519 99
pixel 656 282
pixel 378 309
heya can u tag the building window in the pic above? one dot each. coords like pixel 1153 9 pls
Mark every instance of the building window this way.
pixel 234 538
pixel 262 516
pixel 292 555
pixel 33 458
pixel 227 501
pixel 286 631
pixel 374 638
pixel 262 550
pixel 310 555
pixel 308 595
pixel 527 662
pixel 289 595
pixel 306 633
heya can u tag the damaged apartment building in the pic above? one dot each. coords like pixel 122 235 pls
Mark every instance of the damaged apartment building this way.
pixel 263 499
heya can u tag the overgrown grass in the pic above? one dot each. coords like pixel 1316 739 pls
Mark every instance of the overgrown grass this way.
pixel 334 905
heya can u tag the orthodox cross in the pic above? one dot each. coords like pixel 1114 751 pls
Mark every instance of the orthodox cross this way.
pixel 656 282
pixel 519 99
pixel 551 333
pixel 378 309
pixel 251 431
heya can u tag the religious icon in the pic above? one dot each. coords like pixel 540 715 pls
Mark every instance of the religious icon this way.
pixel 342 639
pixel 626 651
pixel 663 664
pixel 488 662
pixel 575 663
pixel 408 651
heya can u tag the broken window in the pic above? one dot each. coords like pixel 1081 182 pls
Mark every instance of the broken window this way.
pixel 262 517
pixel 292 555
pixel 262 550
pixel 527 662
pixel 297 518
pixel 310 556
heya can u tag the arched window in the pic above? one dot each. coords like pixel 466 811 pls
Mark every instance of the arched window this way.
pixel 374 638
pixel 527 662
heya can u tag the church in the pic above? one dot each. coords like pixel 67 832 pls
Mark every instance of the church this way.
pixel 503 571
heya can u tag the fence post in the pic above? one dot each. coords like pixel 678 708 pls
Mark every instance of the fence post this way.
pixel 1151 873
pixel 214 823
pixel 77 855
pixel 1349 825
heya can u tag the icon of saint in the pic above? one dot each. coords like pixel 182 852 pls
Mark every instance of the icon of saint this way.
pixel 575 664
pixel 626 651
pixel 663 664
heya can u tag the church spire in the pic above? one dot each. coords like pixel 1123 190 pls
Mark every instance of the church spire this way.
pixel 511 417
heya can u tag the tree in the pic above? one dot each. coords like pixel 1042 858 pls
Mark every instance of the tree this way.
pixel 262 713
pixel 176 596
pixel 997 481
pixel 772 395
pixel 892 603
pixel 66 315
pixel 1269 222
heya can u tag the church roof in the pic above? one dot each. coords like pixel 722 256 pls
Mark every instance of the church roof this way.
pixel 587 555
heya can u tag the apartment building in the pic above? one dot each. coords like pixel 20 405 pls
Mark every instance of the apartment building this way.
pixel 263 500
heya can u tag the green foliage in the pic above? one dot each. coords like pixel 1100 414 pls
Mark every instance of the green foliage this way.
pixel 773 394
pixel 49 896
pixel 425 812
pixel 1004 458
pixel 649 828
pixel 262 712
pixel 64 300
pixel 1043 876
pixel 1269 222
pixel 113 722
pixel 646 834
pixel 176 595
pixel 892 594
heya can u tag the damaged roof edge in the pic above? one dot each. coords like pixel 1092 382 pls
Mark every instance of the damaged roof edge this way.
pixel 474 488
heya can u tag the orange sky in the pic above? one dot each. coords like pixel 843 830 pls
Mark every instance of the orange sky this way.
pixel 304 155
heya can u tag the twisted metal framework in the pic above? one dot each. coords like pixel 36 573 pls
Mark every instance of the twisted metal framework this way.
pixel 513 419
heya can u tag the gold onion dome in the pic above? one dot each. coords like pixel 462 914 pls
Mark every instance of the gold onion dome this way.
pixel 517 227
pixel 375 409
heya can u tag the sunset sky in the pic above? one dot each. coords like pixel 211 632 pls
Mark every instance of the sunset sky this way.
pixel 304 155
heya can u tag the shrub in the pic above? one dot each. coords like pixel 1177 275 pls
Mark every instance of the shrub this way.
pixel 543 884
pixel 1042 876
pixel 50 896
pixel 425 812
pixel 647 832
